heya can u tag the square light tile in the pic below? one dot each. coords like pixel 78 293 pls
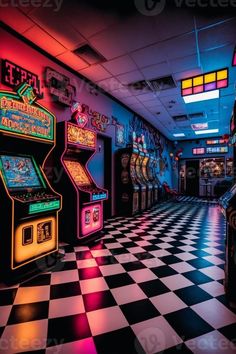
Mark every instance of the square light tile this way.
pixel 27 295
pixel 100 253
pixel 82 346
pixel 215 313
pixel 212 343
pixel 93 285
pixel 182 267
pixel 86 263
pixel 106 320
pixel 4 315
pixel 213 288
pixel 214 272
pixel 111 269
pixel 185 256
pixel 67 276
pixel 142 275
pixel 168 302
pixel 156 335
pixel 66 306
pixel 127 294
pixel 175 282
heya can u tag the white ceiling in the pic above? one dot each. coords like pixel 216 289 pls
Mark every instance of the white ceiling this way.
pixel 138 47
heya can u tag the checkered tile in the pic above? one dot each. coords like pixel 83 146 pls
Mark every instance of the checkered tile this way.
pixel 151 284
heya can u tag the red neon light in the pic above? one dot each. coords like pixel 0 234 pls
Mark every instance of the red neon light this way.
pixel 234 58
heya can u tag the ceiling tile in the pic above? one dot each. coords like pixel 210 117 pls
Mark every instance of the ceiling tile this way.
pixel 130 77
pixel 217 59
pixel 15 19
pixel 180 47
pixel 130 100
pixel 95 73
pixel 150 55
pixel 216 36
pixel 72 60
pixel 181 64
pixel 53 23
pixel 44 41
pixel 122 92
pixel 110 84
pixel 150 96
pixel 156 71
pixel 120 65
pixel 187 73
pixel 171 23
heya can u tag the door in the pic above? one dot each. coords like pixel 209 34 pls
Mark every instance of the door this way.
pixel 100 167
pixel 192 178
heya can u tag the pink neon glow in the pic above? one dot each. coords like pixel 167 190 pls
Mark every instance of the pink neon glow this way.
pixel 91 218
pixel 234 60
pixel 222 83
pixel 198 89
pixel 187 91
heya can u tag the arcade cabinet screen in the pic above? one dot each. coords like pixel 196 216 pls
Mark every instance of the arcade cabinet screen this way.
pixel 77 172
pixel 19 172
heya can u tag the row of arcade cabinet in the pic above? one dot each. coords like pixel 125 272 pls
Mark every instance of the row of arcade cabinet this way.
pixel 228 207
pixel 138 187
pixel 29 205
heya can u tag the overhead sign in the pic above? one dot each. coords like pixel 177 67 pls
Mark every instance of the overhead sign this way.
pixel 14 75
pixel 21 115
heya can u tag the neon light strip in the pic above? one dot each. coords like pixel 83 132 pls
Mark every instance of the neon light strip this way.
pixel 45 206
pixel 206 82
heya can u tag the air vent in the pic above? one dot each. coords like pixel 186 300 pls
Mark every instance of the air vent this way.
pixel 197 115
pixel 88 54
pixel 180 118
pixel 155 85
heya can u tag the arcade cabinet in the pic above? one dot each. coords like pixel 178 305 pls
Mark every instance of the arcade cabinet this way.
pixel 127 186
pixel 28 205
pixel 151 177
pixel 228 207
pixel 82 214
pixel 141 180
pixel 150 188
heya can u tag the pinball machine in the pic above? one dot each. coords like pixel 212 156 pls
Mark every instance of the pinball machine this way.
pixel 151 177
pixel 29 206
pixel 127 186
pixel 82 214
pixel 150 187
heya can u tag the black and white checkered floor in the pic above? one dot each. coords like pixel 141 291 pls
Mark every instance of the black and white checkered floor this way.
pixel 152 284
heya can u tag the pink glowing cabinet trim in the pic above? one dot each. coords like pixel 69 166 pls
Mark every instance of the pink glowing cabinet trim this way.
pixel 92 219
pixel 80 222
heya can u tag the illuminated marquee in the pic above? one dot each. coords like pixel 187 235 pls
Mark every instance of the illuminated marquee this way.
pixel 234 57
pixel 20 115
pixel 13 75
pixel 79 136
pixel 207 82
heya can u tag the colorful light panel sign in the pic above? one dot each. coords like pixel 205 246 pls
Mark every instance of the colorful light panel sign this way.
pixel 198 151
pixel 215 142
pixel 207 82
pixel 217 150
pixel 79 136
pixel 19 114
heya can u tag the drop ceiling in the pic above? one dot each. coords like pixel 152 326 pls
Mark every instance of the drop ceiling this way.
pixel 177 42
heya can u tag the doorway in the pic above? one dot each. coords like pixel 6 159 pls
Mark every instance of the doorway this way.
pixel 100 167
pixel 192 178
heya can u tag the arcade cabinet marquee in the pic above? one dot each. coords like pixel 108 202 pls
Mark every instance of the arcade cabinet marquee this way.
pixel 28 205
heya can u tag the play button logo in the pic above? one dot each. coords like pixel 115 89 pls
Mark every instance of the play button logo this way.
pixel 150 7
